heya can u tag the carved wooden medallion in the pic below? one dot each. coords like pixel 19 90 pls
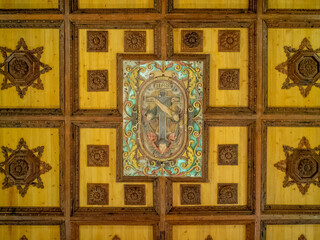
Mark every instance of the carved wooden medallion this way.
pixel 227 193
pixel 229 79
pixel 190 194
pixel 191 41
pixel 97 81
pixel 162 118
pixel 22 167
pixel 301 166
pixel 23 238
pixel 98 194
pixel 209 237
pixel 98 155
pixel 135 41
pixel 22 68
pixel 229 40
pixel 116 238
pixel 302 67
pixel 228 154
pixel 97 41
pixel 302 237
pixel 134 194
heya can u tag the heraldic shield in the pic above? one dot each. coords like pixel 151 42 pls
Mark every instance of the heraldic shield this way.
pixel 162 118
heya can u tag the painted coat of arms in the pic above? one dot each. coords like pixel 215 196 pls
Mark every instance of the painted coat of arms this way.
pixel 162 118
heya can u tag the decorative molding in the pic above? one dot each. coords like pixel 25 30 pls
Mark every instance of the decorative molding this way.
pixel 97 193
pixel 190 194
pixel 302 67
pixel 301 166
pixel 229 40
pixel 191 40
pixel 227 154
pixel 227 193
pixel 22 68
pixel 98 155
pixel 229 79
pixel 97 81
pixel 22 167
pixel 134 194
pixel 97 41
pixel 135 41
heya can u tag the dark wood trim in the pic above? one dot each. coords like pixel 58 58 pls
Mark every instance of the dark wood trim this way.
pixel 282 209
pixel 40 24
pixel 38 211
pixel 59 10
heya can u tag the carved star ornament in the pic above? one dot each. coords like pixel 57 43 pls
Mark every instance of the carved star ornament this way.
pixel 301 166
pixel 22 68
pixel 302 67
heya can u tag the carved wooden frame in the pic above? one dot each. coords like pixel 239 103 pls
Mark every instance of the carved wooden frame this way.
pixel 245 209
pixel 252 81
pixel 120 57
pixel 154 223
pixel 74 8
pixel 282 209
pixel 59 10
pixel 38 211
pixel 263 232
pixel 75 174
pixel 266 9
pixel 40 24
pixel 282 24
pixel 36 223
pixel 74 60
pixel 252 8
pixel 250 226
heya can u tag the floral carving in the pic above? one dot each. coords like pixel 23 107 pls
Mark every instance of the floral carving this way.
pixel 228 154
pixel 191 41
pixel 229 79
pixel 22 167
pixel 302 166
pixel 190 194
pixel 98 155
pixel 302 237
pixel 302 67
pixel 97 41
pixel 134 41
pixel 227 193
pixel 229 40
pixel 97 81
pixel 134 194
pixel 97 194
pixel 23 238
pixel 22 68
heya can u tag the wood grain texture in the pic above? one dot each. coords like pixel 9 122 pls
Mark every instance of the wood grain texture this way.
pixel 115 4
pixel 222 4
pixel 288 232
pixel 29 4
pixel 292 4
pixel 15 232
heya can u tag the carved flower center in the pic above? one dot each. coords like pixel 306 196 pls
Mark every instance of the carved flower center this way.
pixel 308 67
pixel 306 167
pixel 229 40
pixel 19 168
pixel 19 68
pixel 96 40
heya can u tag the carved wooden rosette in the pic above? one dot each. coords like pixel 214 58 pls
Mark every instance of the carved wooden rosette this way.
pixel 97 81
pixel 22 68
pixel 302 67
pixel 301 166
pixel 97 155
pixel 302 237
pixel 97 194
pixel 97 41
pixel 135 41
pixel 134 194
pixel 22 168
pixel 228 154
pixel 229 79
pixel 190 194
pixel 227 193
pixel 191 41
pixel 229 40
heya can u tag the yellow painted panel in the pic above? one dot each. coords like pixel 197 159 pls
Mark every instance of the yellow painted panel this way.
pixel 34 137
pixel 277 39
pixel 289 232
pixel 240 4
pixel 222 174
pixel 223 98
pixel 294 4
pixel 115 4
pixel 290 136
pixel 90 136
pixel 196 232
pixel 28 4
pixel 34 98
pixel 107 232
pixel 102 61
pixel 34 232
